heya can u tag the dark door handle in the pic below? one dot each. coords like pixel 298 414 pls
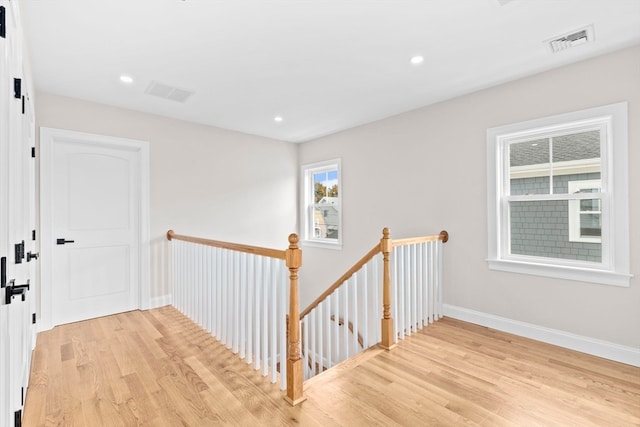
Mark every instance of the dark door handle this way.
pixel 13 290
pixel 63 241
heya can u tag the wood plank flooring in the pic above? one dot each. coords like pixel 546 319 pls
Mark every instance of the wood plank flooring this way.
pixel 157 368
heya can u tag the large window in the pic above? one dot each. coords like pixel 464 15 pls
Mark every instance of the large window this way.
pixel 322 195
pixel 558 196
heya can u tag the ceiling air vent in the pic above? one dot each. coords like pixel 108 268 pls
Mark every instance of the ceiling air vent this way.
pixel 572 39
pixel 162 90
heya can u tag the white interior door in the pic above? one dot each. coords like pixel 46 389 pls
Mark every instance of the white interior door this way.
pixel 91 224
pixel 17 302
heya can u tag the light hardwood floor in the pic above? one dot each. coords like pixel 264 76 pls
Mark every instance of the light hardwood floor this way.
pixel 157 368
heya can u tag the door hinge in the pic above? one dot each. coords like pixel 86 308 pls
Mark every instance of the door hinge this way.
pixel 33 318
pixel 22 396
pixel 17 88
pixel 23 105
pixel 17 418
pixel 33 234
pixel 33 154
pixel 3 22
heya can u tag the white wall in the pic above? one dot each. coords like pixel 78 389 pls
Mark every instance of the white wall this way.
pixel 425 170
pixel 204 181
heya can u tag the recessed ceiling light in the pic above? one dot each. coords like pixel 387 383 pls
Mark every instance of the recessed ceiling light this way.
pixel 417 60
pixel 126 79
pixel 277 119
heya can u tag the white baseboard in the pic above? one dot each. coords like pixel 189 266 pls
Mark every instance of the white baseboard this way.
pixel 160 301
pixel 607 350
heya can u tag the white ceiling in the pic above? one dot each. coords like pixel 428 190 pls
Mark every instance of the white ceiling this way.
pixel 323 65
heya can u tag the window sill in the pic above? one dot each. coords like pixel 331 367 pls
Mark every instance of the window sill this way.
pixel 321 244
pixel 582 274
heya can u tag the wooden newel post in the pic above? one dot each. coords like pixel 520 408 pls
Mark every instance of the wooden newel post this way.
pixel 387 322
pixel 295 376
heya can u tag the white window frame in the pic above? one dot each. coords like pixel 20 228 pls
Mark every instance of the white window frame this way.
pixel 614 268
pixel 575 212
pixel 308 203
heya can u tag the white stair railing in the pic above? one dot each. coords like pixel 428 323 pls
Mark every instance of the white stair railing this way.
pixel 345 319
pixel 239 294
pixel 417 277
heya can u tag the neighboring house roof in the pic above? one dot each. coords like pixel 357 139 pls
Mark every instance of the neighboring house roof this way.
pixel 328 200
pixel 577 146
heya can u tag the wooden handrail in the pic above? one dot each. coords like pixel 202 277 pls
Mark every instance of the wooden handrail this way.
pixel 357 266
pixel 256 250
pixel 444 236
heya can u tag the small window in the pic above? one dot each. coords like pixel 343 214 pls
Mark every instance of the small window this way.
pixel 322 196
pixel 585 215
pixel 558 196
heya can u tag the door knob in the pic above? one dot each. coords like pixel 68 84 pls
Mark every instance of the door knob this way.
pixel 31 256
pixel 62 241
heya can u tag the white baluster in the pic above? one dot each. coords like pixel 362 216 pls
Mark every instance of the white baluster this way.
pixel 336 330
pixel 201 285
pixel 251 286
pixel 313 356
pixel 273 321
pixel 366 306
pixel 305 345
pixel 284 300
pixel 265 317
pixel 411 274
pixel 242 349
pixel 258 307
pixel 320 336
pixel 175 258
pixel 192 282
pixel 329 338
pixel 376 291
pixel 354 313
pixel 230 299
pixel 209 303
pixel 402 291
pixel 224 286
pixel 235 326
pixel 440 268
pixel 395 295
pixel 345 323
pixel 418 285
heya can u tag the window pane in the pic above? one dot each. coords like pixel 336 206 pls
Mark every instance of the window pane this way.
pixel 325 184
pixel 541 229
pixel 590 205
pixel 326 221
pixel 576 146
pixel 529 167
pixel 576 157
pixel 590 225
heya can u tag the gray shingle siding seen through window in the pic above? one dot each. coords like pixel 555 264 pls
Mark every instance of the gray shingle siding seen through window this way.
pixel 541 228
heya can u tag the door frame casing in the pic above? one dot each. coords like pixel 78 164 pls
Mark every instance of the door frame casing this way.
pixel 48 137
